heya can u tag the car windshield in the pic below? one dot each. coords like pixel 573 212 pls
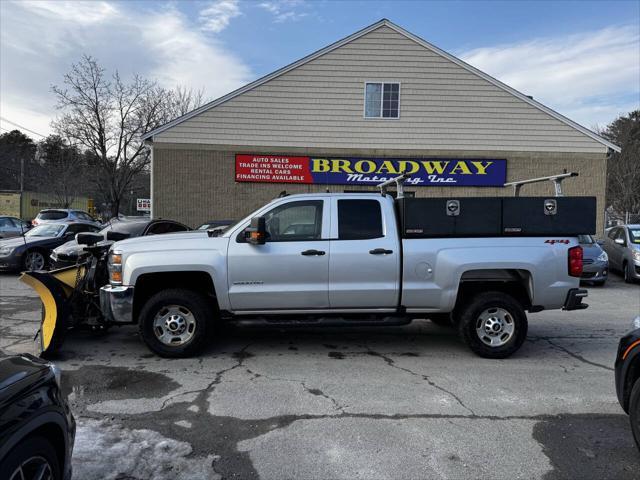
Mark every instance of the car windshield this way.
pixel 585 239
pixel 52 215
pixel 133 229
pixel 634 235
pixel 50 230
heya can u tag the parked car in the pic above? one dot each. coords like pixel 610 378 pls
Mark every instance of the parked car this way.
pixel 37 429
pixel 57 215
pixel 627 374
pixel 13 227
pixel 622 244
pixel 595 261
pixel 31 251
pixel 349 259
pixel 68 253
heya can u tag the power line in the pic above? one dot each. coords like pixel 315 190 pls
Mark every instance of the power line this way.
pixel 20 126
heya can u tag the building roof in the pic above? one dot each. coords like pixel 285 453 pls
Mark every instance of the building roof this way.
pixel 384 22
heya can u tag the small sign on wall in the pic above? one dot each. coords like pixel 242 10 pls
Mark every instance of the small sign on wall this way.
pixel 451 172
pixel 143 205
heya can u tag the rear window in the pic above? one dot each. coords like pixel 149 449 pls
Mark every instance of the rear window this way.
pixel 52 215
pixel 359 219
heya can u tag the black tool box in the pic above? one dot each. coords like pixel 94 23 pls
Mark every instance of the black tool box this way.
pixel 496 216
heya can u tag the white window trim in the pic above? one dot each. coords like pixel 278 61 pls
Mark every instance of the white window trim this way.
pixel 364 103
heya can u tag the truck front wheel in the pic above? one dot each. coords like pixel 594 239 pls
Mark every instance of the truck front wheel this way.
pixel 493 325
pixel 175 322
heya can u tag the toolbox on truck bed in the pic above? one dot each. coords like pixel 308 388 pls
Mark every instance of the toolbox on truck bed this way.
pixel 496 216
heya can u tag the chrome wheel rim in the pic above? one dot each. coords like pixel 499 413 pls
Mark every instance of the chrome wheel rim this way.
pixel 174 325
pixel 34 468
pixel 495 327
pixel 34 261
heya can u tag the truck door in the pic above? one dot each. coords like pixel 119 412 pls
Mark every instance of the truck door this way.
pixel 291 270
pixel 364 261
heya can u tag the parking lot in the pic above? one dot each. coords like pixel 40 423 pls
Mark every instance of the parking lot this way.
pixel 403 402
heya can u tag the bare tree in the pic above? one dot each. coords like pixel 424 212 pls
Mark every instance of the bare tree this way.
pixel 623 169
pixel 108 116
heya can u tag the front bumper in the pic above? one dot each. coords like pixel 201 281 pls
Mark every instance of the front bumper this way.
pixel 116 303
pixel 595 272
pixel 11 262
pixel 574 299
pixel 627 366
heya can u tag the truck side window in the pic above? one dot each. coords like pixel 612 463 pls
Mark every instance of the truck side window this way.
pixel 295 221
pixel 359 219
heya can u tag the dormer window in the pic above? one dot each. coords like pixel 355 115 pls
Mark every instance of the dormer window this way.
pixel 381 100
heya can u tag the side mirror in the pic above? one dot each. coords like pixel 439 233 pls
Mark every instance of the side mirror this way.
pixel 256 234
pixel 88 238
pixel 116 236
pixel 619 241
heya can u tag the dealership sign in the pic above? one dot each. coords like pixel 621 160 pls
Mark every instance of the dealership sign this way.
pixel 370 171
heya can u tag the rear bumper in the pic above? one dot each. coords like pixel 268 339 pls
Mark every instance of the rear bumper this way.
pixel 574 299
pixel 116 303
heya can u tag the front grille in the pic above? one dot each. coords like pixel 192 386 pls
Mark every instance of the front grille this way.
pixel 588 274
pixel 587 261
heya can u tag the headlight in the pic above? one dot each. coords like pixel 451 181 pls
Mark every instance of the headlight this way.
pixel 6 250
pixel 636 323
pixel 636 255
pixel 115 267
pixel 603 257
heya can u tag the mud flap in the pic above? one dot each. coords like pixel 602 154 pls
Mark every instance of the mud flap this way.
pixel 54 294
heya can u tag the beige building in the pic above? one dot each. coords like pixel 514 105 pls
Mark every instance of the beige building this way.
pixel 377 102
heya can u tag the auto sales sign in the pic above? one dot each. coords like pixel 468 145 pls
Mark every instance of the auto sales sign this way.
pixel 452 172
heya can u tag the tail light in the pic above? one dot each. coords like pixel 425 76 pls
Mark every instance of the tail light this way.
pixel 575 261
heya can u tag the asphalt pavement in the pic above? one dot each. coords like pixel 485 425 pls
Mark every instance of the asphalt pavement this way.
pixel 369 403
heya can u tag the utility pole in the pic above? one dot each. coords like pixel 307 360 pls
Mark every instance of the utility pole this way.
pixel 21 174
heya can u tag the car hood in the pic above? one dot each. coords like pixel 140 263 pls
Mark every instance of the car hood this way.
pixel 18 241
pixel 17 367
pixel 591 251
pixel 168 241
pixel 70 248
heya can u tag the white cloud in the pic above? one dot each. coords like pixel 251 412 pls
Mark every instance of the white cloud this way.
pixel 40 40
pixel 589 77
pixel 284 10
pixel 217 16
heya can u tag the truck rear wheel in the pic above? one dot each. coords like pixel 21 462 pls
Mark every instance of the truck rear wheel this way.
pixel 493 325
pixel 175 322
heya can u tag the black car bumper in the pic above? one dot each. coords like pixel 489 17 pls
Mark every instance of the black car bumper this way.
pixel 574 299
pixel 11 262
pixel 627 366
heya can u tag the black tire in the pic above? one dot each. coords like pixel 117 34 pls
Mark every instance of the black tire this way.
pixel 626 272
pixel 510 308
pixel 40 253
pixel 441 319
pixel 634 412
pixel 197 305
pixel 30 452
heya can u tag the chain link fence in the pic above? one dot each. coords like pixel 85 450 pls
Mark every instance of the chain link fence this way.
pixel 613 218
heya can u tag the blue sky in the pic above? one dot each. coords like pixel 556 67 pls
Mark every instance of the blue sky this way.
pixel 581 58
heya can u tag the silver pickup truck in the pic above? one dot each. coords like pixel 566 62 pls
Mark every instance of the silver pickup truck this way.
pixel 337 259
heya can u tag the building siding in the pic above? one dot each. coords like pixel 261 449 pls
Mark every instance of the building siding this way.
pixel 320 105
pixel 193 184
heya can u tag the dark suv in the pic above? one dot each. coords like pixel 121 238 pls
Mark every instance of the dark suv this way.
pixel 628 377
pixel 37 429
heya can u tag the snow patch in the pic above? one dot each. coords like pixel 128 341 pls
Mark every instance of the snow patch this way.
pixel 106 451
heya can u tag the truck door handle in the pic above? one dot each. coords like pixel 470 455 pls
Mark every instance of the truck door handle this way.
pixel 312 252
pixel 380 251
